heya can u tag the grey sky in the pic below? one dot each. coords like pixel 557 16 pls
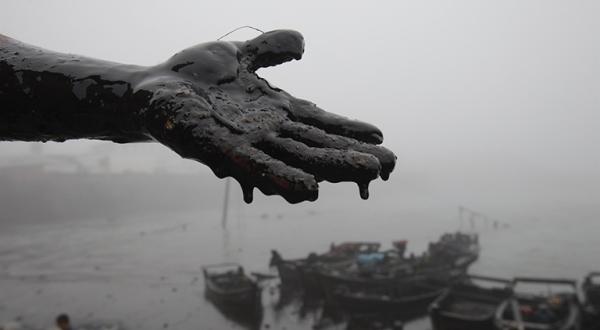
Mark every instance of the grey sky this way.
pixel 484 88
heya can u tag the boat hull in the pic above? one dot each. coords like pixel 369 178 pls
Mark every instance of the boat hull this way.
pixel 467 306
pixel 404 307
pixel 571 321
pixel 240 298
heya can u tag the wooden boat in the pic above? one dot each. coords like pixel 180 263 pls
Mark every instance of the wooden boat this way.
pixel 228 284
pixel 453 246
pixel 446 260
pixel 299 272
pixel 405 302
pixel 342 265
pixel 468 305
pixel 290 271
pixel 549 311
pixel 394 273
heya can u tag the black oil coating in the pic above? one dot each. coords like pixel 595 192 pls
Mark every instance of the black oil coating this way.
pixel 206 103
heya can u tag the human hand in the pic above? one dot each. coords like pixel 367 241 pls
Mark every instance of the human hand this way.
pixel 207 103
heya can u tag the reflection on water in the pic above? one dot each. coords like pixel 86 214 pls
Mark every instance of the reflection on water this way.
pixel 145 272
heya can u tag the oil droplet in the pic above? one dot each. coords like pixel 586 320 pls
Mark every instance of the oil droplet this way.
pixel 248 190
pixel 385 175
pixel 364 190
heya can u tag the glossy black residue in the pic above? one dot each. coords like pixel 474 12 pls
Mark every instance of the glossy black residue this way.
pixel 206 103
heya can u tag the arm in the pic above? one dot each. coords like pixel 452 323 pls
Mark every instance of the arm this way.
pixel 206 103
pixel 46 95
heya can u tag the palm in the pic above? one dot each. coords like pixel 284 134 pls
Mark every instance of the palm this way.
pixel 212 107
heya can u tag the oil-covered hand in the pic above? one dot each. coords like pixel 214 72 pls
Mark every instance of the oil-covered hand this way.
pixel 209 104
pixel 206 103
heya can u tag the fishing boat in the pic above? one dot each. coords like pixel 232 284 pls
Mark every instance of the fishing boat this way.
pixel 360 264
pixel 388 273
pixel 290 271
pixel 451 247
pixel 229 285
pixel 405 302
pixel 550 310
pixel 300 272
pixel 470 304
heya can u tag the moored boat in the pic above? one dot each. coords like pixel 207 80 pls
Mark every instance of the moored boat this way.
pixel 388 273
pixel 360 264
pixel 404 302
pixel 552 310
pixel 228 284
pixel 469 304
pixel 300 272
pixel 290 271
pixel 454 246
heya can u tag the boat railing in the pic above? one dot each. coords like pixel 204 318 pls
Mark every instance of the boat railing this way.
pixel 589 278
pixel 518 322
pixel 562 281
pixel 488 279
pixel 207 269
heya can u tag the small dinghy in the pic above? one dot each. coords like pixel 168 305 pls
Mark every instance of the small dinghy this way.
pixel 228 284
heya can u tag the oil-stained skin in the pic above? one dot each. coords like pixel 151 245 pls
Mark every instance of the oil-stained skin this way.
pixel 206 103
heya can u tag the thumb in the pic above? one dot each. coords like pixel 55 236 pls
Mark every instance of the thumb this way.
pixel 272 48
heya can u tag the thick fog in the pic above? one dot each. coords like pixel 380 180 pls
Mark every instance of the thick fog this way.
pixel 490 105
pixel 479 100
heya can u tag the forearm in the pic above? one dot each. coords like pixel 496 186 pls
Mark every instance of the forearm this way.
pixel 46 95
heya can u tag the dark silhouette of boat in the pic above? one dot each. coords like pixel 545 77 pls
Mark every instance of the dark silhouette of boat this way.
pixel 390 273
pixel 228 284
pixel 445 260
pixel 540 311
pixel 469 305
pixel 299 273
pixel 246 317
pixel 400 302
pixel 451 247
